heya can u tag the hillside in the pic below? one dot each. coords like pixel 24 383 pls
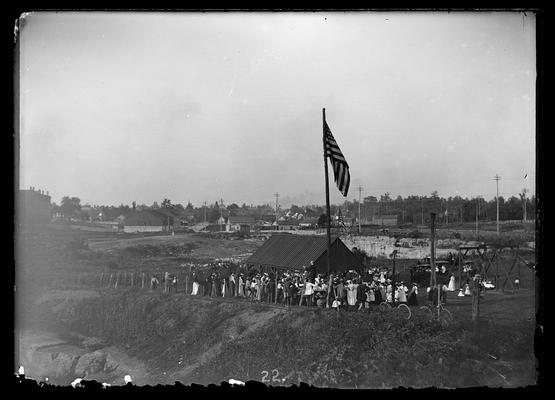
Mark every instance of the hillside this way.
pixel 202 340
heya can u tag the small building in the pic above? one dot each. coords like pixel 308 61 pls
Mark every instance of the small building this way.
pixel 296 252
pixel 288 225
pixel 240 223
pixel 33 207
pixel 386 220
pixel 146 221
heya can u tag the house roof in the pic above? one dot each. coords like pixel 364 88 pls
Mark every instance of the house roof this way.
pixel 290 251
pixel 241 219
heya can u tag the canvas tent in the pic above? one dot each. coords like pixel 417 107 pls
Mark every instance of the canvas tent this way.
pixel 295 252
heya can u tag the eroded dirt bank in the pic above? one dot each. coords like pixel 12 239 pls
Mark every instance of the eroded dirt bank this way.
pixel 159 338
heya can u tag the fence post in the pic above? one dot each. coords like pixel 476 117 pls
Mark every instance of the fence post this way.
pixel 186 282
pixel 143 282
pixel 101 279
pixel 110 281
pixel 117 281
pixel 132 276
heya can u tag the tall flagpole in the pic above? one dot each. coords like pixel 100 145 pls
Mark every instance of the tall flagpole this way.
pixel 327 188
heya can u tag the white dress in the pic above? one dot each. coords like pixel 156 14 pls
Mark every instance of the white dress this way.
pixel 402 296
pixel 195 289
pixel 352 294
pixel 451 286
pixel 467 291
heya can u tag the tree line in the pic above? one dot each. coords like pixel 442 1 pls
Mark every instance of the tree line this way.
pixel 409 210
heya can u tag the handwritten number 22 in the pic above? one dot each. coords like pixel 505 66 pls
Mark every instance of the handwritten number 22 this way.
pixel 275 374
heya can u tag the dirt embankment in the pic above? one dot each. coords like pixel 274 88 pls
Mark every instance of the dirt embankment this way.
pixel 163 339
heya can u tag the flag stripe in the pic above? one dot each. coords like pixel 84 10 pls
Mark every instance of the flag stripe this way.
pixel 341 174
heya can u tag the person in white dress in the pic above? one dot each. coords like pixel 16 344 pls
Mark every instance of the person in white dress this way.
pixel 195 288
pixel 451 286
pixel 351 294
pixel 402 294
pixel 467 290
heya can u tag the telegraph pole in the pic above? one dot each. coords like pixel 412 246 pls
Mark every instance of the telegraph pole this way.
pixel 477 213
pixel 359 200
pixel 221 208
pixel 276 196
pixel 523 197
pixel 205 212
pixel 497 178
pixel 422 206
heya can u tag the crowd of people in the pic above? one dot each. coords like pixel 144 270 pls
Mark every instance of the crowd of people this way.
pixel 350 290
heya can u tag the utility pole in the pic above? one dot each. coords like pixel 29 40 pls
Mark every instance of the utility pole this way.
pixel 496 178
pixel 422 206
pixel 276 196
pixel 447 212
pixel 221 208
pixel 477 213
pixel 523 197
pixel 205 212
pixel 433 281
pixel 359 200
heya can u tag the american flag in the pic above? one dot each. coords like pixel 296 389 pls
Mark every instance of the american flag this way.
pixel 340 166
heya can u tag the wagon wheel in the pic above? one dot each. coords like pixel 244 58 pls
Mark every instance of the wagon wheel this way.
pixel 404 311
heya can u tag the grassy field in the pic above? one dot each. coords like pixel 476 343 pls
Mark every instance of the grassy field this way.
pixel 204 340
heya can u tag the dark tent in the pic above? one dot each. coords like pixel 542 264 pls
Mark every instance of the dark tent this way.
pixel 295 252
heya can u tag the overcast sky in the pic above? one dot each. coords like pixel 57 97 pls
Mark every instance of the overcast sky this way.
pixel 122 107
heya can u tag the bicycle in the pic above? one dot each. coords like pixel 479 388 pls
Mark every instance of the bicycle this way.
pixel 442 314
pixel 403 310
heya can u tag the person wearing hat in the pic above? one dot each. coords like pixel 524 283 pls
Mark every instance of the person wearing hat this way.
pixel 413 299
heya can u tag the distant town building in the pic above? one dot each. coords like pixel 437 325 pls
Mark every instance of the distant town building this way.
pixel 288 225
pixel 387 220
pixel 147 221
pixel 242 223
pixel 308 223
pixel 33 207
